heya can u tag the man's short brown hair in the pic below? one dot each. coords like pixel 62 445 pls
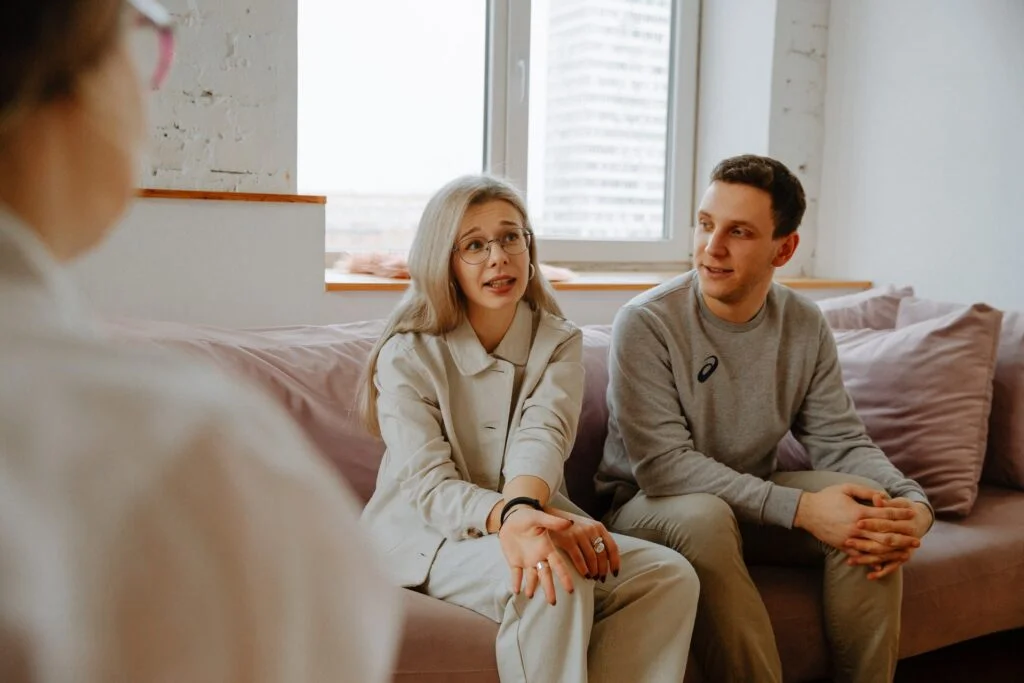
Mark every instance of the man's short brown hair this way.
pixel 772 176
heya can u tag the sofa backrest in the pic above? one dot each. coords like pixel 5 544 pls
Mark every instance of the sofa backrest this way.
pixel 314 372
pixel 593 425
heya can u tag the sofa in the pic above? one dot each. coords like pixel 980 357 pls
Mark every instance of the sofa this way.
pixel 967 579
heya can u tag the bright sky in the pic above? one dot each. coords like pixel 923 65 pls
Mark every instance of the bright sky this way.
pixel 391 93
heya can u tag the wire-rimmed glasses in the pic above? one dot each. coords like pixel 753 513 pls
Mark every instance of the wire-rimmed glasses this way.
pixel 475 250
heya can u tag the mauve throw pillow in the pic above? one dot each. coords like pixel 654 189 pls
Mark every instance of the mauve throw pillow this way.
pixel 312 371
pixel 593 426
pixel 1004 464
pixel 874 309
pixel 924 392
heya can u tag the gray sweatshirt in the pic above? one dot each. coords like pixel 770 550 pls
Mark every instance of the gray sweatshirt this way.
pixel 698 404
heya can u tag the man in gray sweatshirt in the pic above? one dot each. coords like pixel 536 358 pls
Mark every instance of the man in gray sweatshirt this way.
pixel 707 373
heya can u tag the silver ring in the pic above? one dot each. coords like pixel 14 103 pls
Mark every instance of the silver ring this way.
pixel 541 566
pixel 598 544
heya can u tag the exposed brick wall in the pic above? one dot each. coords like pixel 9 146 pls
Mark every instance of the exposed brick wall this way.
pixel 226 117
pixel 796 129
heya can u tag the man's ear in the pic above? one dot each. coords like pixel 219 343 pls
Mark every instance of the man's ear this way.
pixel 785 248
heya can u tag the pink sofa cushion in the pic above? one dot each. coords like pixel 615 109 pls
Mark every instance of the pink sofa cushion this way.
pixel 874 309
pixel 313 371
pixel 593 426
pixel 924 393
pixel 1004 464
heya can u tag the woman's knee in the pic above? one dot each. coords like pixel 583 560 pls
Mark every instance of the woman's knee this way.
pixel 682 579
pixel 666 569
pixel 568 605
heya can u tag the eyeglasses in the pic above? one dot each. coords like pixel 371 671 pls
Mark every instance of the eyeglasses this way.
pixel 475 250
pixel 152 40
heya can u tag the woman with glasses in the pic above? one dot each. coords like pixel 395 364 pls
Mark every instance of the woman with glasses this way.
pixel 157 523
pixel 476 387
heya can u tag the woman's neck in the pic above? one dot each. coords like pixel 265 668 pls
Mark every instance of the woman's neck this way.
pixel 491 325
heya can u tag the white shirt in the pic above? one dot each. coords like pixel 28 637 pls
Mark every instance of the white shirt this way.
pixel 160 523
pixel 459 422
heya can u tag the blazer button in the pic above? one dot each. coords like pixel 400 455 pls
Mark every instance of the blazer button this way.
pixel 473 532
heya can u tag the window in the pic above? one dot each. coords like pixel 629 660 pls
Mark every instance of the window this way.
pixel 390 107
pixel 588 105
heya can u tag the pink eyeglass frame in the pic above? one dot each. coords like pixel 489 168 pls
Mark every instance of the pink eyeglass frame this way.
pixel 154 15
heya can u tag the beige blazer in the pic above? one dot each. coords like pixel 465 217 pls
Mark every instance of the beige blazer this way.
pixel 159 522
pixel 459 422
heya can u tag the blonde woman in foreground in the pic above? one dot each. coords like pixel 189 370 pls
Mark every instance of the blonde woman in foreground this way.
pixel 476 388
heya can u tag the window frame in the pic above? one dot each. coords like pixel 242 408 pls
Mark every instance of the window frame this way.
pixel 506 131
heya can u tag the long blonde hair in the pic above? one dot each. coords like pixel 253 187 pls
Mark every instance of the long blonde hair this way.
pixel 434 304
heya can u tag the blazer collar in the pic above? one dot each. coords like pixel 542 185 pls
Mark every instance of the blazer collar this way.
pixel 471 357
pixel 27 265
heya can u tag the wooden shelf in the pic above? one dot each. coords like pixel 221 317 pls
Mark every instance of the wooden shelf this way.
pixel 231 196
pixel 583 282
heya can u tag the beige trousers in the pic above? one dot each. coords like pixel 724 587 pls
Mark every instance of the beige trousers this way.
pixel 733 639
pixel 634 627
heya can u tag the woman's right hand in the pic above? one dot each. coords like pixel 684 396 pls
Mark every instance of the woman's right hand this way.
pixel 531 554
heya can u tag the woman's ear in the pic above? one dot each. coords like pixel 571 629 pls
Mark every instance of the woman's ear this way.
pixel 785 249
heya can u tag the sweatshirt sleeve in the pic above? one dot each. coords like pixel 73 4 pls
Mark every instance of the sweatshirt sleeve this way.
pixel 644 403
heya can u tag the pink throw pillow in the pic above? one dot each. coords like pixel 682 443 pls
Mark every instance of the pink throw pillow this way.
pixel 924 392
pixel 1004 463
pixel 874 309
pixel 313 372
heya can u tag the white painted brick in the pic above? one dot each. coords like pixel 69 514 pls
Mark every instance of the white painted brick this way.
pixel 225 119
pixel 796 133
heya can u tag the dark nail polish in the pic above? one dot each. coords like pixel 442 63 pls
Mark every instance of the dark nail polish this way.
pixel 615 574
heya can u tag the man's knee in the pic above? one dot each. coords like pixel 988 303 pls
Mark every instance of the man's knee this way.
pixel 817 480
pixel 696 524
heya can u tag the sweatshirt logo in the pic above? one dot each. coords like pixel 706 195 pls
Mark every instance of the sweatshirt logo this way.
pixel 708 369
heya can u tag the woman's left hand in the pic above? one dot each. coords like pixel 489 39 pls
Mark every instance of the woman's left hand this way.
pixel 588 544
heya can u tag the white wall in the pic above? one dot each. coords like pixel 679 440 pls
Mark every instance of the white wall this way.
pixel 245 264
pixel 734 96
pixel 242 264
pixel 226 117
pixel 226 263
pixel 762 91
pixel 797 115
pixel 924 147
